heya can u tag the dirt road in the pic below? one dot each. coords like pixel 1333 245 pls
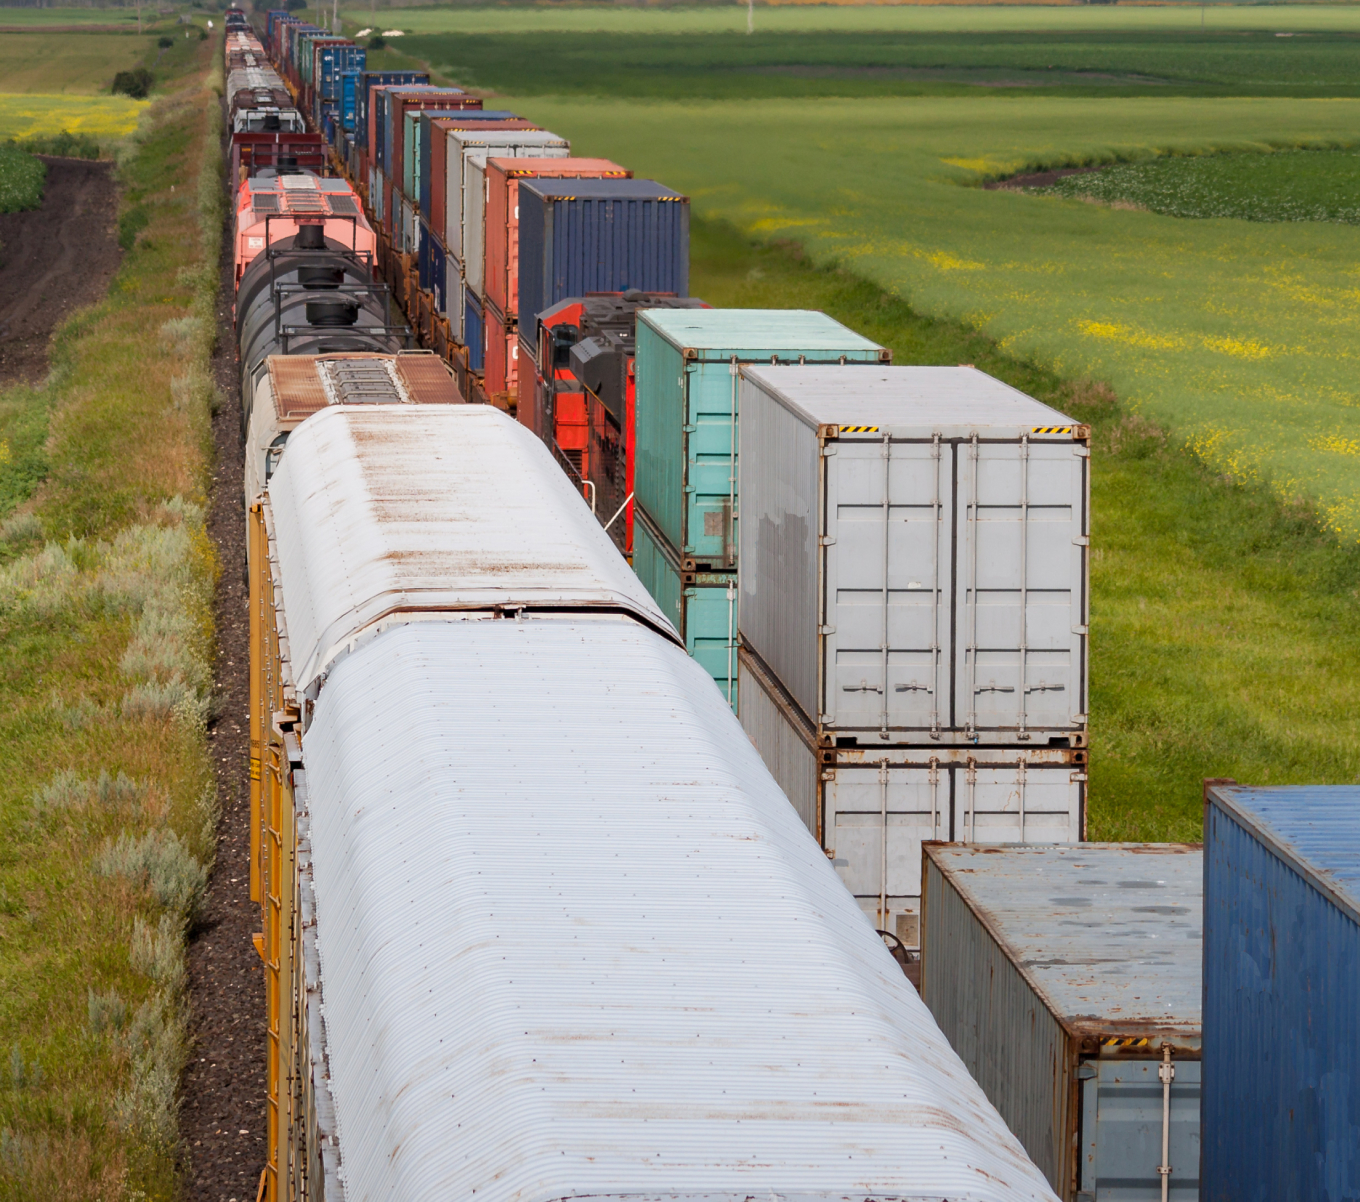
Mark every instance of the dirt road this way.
pixel 53 260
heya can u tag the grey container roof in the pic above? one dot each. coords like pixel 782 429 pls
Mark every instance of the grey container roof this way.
pixel 1110 935
pixel 804 331
pixel 910 398
pixel 1316 828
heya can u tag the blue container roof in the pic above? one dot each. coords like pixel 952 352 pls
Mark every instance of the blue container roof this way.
pixel 600 189
pixel 1315 828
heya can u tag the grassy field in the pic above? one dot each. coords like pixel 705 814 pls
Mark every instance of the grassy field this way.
pixel 37 18
pixel 68 63
pixel 106 793
pixel 102 117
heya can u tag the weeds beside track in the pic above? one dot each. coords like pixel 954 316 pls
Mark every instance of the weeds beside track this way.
pixel 107 804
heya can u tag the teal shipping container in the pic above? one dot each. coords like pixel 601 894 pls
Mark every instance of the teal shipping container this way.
pixel 686 436
pixel 703 605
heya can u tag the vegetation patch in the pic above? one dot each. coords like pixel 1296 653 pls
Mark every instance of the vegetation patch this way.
pixel 1315 185
pixel 1219 614
pixel 104 119
pixel 21 180
pixel 107 805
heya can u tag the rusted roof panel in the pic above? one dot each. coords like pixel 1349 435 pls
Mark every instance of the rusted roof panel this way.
pixel 297 388
pixel 408 509
pixel 1110 935
pixel 428 380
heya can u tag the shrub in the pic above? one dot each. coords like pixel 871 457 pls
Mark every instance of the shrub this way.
pixel 158 859
pixel 377 42
pixel 165 42
pixel 135 83
pixel 107 1011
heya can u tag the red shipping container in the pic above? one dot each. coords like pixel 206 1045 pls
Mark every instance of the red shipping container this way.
pixel 502 217
pixel 502 361
pixel 439 160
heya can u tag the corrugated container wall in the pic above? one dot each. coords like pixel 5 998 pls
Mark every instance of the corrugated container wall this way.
pixel 1063 977
pixel 507 139
pixel 686 474
pixel 914 554
pixel 433 170
pixel 873 808
pixel 502 217
pixel 590 235
pixel 1281 993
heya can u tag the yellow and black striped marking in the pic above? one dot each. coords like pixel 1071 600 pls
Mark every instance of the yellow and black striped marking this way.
pixel 1051 430
pixel 1125 1041
pixel 859 429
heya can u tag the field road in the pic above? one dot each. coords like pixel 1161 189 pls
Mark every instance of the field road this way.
pixel 54 260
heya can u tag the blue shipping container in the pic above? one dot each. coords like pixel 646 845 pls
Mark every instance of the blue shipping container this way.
pixel 334 60
pixel 578 236
pixel 703 605
pixel 474 331
pixel 369 80
pixel 1281 993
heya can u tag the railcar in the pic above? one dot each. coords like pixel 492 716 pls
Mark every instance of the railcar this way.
pixel 567 936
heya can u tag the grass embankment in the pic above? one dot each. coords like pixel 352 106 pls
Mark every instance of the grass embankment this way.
pixel 1219 614
pixel 106 796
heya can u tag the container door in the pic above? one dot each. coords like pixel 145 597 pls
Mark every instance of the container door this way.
pixel 710 628
pixel 711 463
pixel 887 585
pixel 1121 1132
pixel 659 576
pixel 876 819
pixel 1017 804
pixel 1022 600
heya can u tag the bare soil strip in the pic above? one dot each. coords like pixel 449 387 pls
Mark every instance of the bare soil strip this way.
pixel 53 260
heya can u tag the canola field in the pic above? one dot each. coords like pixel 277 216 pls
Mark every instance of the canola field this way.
pixel 104 118
pixel 1239 337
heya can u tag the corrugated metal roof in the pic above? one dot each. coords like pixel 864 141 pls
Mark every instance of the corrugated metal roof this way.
pixel 725 331
pixel 1315 827
pixel 947 399
pixel 380 509
pixel 575 943
pixel 1110 934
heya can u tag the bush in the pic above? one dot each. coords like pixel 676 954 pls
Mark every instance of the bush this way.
pixel 21 179
pixel 66 145
pixel 135 83
pixel 377 42
pixel 159 860
pixel 165 42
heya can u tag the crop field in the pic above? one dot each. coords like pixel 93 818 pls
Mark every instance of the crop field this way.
pixel 104 118
pixel 61 18
pixel 21 180
pixel 68 63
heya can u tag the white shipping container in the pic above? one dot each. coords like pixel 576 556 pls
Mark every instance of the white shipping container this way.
pixel 872 808
pixel 501 144
pixel 914 546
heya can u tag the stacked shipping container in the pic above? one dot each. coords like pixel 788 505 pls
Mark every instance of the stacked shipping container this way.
pixel 913 613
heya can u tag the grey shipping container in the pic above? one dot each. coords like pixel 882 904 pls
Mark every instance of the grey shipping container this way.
pixel 871 809
pixel 1281 993
pixel 686 429
pixel 578 236
pixel 1068 981
pixel 914 547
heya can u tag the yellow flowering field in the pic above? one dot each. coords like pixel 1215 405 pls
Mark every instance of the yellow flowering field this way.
pixel 104 118
pixel 1240 337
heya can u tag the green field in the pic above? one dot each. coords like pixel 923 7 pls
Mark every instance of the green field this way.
pixel 21 180
pixel 37 18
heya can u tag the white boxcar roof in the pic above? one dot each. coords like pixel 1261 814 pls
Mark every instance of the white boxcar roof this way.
pixel 574 942
pixel 951 400
pixel 1109 934
pixel 431 509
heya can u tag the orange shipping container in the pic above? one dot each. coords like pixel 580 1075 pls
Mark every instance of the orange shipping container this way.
pixel 502 361
pixel 502 219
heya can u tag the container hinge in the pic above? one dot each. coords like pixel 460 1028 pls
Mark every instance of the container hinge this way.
pixel 828 450
pixel 1086 1072
pixel 826 540
pixel 1081 630
pixel 1077 778
pixel 1082 540
pixel 824 629
pixel 1082 450
pixel 689 488
pixel 689 429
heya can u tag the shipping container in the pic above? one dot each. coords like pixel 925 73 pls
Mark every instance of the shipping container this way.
pixel 507 139
pixel 1281 992
pixel 501 224
pixel 1068 981
pixel 431 165
pixel 687 424
pixel 598 235
pixel 872 808
pixel 502 361
pixel 419 144
pixel 702 605
pixel 368 81
pixel 474 329
pixel 395 103
pixel 915 553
